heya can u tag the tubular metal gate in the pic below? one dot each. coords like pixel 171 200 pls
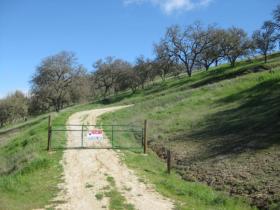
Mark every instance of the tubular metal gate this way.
pixel 87 136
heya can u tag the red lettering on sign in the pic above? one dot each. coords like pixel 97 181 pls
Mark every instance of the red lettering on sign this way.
pixel 96 131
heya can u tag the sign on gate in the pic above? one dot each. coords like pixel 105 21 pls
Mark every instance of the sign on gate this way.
pixel 96 134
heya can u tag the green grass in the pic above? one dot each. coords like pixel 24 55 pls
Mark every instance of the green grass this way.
pixel 22 124
pixel 28 173
pixel 99 196
pixel 222 127
pixel 9 132
pixel 116 200
pixel 111 180
pixel 187 195
pixel 88 185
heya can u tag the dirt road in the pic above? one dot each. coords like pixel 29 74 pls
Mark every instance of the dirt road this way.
pixel 86 172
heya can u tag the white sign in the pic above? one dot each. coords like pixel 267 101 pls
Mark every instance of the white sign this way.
pixel 96 134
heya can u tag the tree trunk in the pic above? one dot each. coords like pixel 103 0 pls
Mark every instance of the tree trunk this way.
pixel 106 91
pixel 56 108
pixel 232 63
pixel 206 66
pixel 216 62
pixel 163 77
pixel 265 58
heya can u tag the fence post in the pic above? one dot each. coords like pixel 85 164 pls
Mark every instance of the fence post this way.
pixel 142 137
pixel 145 137
pixel 49 133
pixel 168 160
pixel 112 136
pixel 82 136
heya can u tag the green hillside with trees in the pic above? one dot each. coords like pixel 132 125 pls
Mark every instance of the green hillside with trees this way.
pixel 222 127
pixel 210 95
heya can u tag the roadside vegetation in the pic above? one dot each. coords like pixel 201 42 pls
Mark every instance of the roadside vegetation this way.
pixel 29 175
pixel 117 200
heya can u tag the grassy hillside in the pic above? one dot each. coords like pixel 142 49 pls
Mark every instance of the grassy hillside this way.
pixel 223 127
pixel 11 131
pixel 29 175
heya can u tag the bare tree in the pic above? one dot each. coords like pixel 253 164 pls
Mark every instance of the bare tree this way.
pixel 127 79
pixel 213 53
pixel 187 44
pixel 38 104
pixel 53 79
pixel 164 62
pixel 13 108
pixel 80 90
pixel 123 75
pixel 104 75
pixel 18 105
pixel 265 39
pixel 5 112
pixel 143 68
pixel 110 75
pixel 235 44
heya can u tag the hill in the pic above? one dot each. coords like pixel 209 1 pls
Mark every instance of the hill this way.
pixel 222 127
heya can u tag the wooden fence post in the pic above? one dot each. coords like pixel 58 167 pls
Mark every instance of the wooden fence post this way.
pixel 49 133
pixel 145 137
pixel 168 160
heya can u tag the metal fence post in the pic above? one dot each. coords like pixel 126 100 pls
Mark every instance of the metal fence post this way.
pixel 112 136
pixel 82 136
pixel 145 137
pixel 168 161
pixel 142 137
pixel 49 133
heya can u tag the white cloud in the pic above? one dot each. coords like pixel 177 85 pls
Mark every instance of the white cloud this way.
pixel 170 6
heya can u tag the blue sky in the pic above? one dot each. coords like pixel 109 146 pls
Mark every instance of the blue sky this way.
pixel 33 29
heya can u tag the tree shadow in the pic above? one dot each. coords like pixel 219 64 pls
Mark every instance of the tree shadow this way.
pixel 253 125
pixel 115 98
pixel 218 75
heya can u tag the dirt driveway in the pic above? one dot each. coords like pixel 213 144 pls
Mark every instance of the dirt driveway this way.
pixel 86 173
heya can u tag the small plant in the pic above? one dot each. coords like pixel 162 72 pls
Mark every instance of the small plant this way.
pixel 127 188
pixel 111 180
pixel 107 187
pixel 116 199
pixel 88 185
pixel 141 180
pixel 99 196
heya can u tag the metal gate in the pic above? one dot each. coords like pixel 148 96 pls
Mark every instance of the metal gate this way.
pixel 86 136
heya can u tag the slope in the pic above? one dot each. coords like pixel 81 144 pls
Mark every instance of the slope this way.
pixel 222 127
